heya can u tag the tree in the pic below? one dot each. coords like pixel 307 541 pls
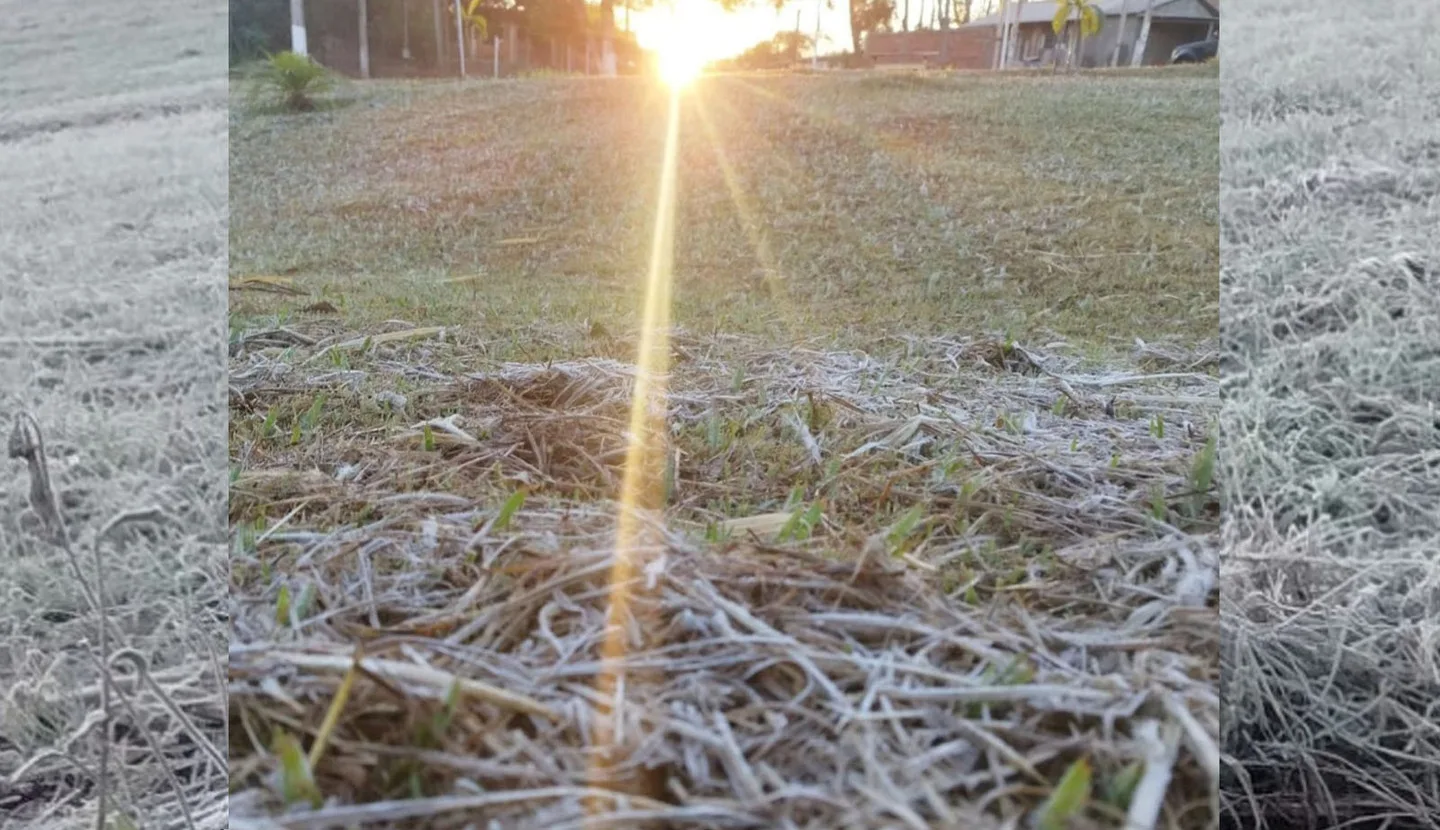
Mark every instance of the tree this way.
pixel 775 53
pixel 1139 54
pixel 1087 23
pixel 868 16
pixel 792 44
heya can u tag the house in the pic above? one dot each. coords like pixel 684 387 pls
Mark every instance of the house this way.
pixel 960 48
pixel 1172 23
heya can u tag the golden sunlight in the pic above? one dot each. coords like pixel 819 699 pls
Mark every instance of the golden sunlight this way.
pixel 682 42
pixel 678 63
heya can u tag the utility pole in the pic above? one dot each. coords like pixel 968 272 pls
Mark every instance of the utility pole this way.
pixel 796 57
pixel 297 27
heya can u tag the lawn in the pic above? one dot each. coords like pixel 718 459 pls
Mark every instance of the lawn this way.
pixel 1328 214
pixel 112 247
pixel 908 522
pixel 853 208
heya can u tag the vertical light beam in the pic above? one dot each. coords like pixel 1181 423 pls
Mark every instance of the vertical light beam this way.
pixel 641 489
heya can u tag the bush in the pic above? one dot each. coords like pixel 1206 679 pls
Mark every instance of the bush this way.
pixel 291 81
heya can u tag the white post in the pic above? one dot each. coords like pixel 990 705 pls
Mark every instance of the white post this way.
pixel 1120 38
pixel 497 56
pixel 297 27
pixel 439 35
pixel 405 10
pixel 1138 56
pixel 815 55
pixel 1015 30
pixel 1002 31
pixel 460 37
pixel 364 39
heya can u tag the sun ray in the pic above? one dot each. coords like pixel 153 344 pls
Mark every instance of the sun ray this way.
pixel 899 147
pixel 749 220
pixel 641 489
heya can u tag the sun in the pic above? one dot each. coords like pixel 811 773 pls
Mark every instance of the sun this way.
pixel 680 63
pixel 680 42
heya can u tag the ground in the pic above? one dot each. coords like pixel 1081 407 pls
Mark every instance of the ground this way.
pixel 1328 221
pixel 112 247
pixel 916 520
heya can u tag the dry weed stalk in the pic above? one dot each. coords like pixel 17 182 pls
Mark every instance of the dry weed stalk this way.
pixel 27 443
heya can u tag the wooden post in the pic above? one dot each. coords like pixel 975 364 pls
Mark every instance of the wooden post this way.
pixel 496 56
pixel 364 39
pixel 297 28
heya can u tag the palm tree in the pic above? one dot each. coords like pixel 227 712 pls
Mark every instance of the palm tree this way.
pixel 1087 23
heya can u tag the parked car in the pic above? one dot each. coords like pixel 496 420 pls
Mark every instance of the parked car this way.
pixel 1197 52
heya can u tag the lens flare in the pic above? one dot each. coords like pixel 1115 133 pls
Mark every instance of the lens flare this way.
pixel 679 65
pixel 681 45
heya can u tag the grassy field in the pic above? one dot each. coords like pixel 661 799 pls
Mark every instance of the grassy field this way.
pixel 1329 209
pixel 918 522
pixel 112 217
pixel 867 207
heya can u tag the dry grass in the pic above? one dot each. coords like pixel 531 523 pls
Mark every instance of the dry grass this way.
pixel 884 580
pixel 112 210
pixel 1329 210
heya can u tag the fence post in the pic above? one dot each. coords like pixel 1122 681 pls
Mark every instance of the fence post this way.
pixel 364 10
pixel 497 56
pixel 460 37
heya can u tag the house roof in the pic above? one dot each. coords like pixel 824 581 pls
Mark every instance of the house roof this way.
pixel 1039 12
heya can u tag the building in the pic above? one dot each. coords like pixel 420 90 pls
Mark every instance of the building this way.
pixel 962 48
pixel 1172 22
pixel 975 45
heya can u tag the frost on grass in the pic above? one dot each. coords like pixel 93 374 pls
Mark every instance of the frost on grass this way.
pixel 1331 442
pixel 907 590
pixel 112 203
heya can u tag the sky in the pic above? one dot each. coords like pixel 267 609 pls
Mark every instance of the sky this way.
pixel 721 35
